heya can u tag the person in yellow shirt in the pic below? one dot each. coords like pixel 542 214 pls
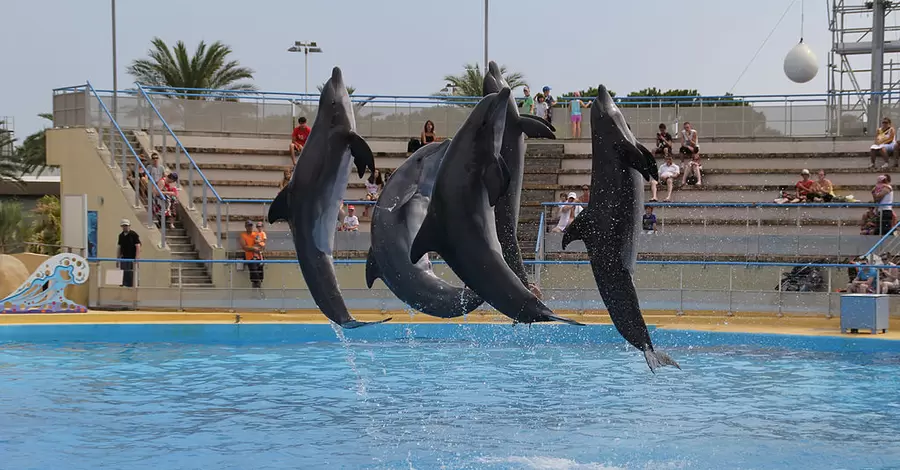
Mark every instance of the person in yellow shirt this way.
pixel 885 142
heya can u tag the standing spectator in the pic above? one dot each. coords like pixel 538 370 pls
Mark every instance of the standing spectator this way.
pixel 883 195
pixel 540 108
pixel 806 188
pixel 551 102
pixel 649 220
pixel 261 238
pixel 585 194
pixel 668 174
pixel 663 141
pixel 568 213
pixel 351 222
pixel 885 142
pixel 298 138
pixel 374 186
pixel 528 103
pixel 157 171
pixel 693 173
pixel 576 104
pixel 129 247
pixel 689 143
pixel 824 186
pixel 252 252
pixel 428 136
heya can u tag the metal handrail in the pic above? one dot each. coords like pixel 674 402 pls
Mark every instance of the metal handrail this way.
pixel 735 204
pixel 540 236
pixel 193 167
pixel 269 201
pixel 137 159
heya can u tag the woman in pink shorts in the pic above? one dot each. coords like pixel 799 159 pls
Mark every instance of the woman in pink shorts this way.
pixel 576 105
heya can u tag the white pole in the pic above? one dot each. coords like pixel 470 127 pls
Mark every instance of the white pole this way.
pixel 485 36
pixel 306 70
pixel 115 103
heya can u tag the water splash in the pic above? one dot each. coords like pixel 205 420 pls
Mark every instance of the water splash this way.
pixel 361 382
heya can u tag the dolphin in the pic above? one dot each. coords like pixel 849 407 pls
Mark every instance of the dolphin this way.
pixel 512 151
pixel 460 223
pixel 612 218
pixel 398 214
pixel 311 200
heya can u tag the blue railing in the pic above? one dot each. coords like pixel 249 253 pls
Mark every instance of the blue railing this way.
pixel 124 166
pixel 179 148
pixel 736 204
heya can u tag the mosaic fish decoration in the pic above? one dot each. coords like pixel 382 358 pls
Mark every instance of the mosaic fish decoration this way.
pixel 44 290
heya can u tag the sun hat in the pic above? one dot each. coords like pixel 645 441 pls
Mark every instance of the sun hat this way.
pixel 804 172
pixel 351 208
pixel 125 222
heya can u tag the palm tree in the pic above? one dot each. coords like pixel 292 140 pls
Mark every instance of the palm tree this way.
pixel 470 82
pixel 32 154
pixel 176 68
pixel 10 167
pixel 13 229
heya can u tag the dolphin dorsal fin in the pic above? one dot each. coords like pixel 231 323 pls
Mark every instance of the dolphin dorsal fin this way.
pixel 576 230
pixel 535 127
pixel 362 154
pixel 279 209
pixel 372 270
pixel 428 238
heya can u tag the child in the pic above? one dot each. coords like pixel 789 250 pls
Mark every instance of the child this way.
pixel 869 222
pixel 649 222
pixel 541 108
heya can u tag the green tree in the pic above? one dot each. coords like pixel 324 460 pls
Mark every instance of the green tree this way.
pixel 590 93
pixel 10 168
pixel 209 67
pixel 32 154
pixel 46 230
pixel 471 81
pixel 14 231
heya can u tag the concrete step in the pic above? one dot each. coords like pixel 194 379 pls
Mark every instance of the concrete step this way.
pixel 726 177
pixel 220 176
pixel 236 159
pixel 811 162
pixel 354 193
pixel 188 255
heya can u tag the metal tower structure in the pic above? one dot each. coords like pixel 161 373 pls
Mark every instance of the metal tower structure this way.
pixel 863 64
pixel 6 130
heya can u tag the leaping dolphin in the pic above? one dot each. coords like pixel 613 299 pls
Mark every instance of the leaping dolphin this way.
pixel 513 153
pixel 399 213
pixel 460 223
pixel 609 224
pixel 311 201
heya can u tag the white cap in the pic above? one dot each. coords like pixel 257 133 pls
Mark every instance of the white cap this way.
pixel 804 172
pixel 125 222
pixel 573 195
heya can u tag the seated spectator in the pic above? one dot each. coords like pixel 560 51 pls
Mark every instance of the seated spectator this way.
pixel 864 283
pixel 806 188
pixel 885 142
pixel 786 197
pixel 351 222
pixel 668 174
pixel 693 172
pixel 557 210
pixel 890 277
pixel 374 186
pixel 689 143
pixel 298 139
pixel 663 142
pixel 156 169
pixel 585 194
pixel 166 204
pixel 824 187
pixel 869 223
pixel 541 109
pixel 649 220
pixel 567 213
pixel 428 135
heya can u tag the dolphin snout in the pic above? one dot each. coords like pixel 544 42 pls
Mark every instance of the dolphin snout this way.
pixel 336 76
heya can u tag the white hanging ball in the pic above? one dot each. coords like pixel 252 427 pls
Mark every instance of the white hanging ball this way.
pixel 801 64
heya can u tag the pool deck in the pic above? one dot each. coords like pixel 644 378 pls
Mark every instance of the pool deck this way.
pixel 760 323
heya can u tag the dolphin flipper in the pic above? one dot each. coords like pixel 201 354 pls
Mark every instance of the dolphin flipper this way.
pixel 650 161
pixel 496 178
pixel 372 271
pixel 428 238
pixel 362 154
pixel 279 209
pixel 536 127
pixel 576 230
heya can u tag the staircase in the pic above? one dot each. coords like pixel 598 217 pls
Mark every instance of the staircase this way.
pixel 543 161
pixel 181 246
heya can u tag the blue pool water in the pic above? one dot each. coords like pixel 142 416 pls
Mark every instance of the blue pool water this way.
pixel 440 396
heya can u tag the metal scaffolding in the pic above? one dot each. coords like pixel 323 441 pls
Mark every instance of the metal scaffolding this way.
pixel 863 64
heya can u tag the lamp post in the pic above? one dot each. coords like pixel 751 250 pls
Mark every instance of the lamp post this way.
pixel 485 36
pixel 115 101
pixel 306 48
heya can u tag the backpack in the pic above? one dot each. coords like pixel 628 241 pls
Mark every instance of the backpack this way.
pixel 691 180
pixel 413 145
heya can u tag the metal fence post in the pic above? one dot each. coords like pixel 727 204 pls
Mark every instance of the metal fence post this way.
pixel 203 205
pixel 780 290
pixel 680 290
pixel 191 186
pixel 730 311
pixel 165 149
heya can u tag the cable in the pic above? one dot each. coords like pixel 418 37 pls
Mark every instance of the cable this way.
pixel 763 45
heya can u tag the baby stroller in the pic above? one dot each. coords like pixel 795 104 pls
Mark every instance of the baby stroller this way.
pixel 804 279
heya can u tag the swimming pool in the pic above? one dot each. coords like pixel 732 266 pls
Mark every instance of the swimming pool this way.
pixel 471 396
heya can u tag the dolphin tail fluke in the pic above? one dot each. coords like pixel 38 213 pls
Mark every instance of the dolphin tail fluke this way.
pixel 356 323
pixel 372 271
pixel 575 230
pixel 536 128
pixel 362 154
pixel 279 209
pixel 657 359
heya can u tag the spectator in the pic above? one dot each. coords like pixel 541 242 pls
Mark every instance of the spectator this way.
pixel 540 108
pixel 374 186
pixel 806 188
pixel 351 222
pixel 551 102
pixel 156 169
pixel 567 213
pixel 864 283
pixel 890 277
pixel 824 187
pixel 261 238
pixel 167 202
pixel 585 194
pixel 689 143
pixel 663 141
pixel 693 173
pixel 252 252
pixel 668 174
pixel 885 142
pixel 883 195
pixel 528 103
pixel 427 136
pixel 869 223
pixel 298 139
pixel 649 220
pixel 129 248
pixel 556 211
pixel 576 105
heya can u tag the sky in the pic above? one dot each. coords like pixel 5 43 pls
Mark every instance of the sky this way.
pixel 405 47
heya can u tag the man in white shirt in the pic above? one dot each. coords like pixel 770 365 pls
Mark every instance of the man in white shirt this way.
pixel 351 222
pixel 668 173
pixel 568 213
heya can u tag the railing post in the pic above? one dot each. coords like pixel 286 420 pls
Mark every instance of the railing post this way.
pixel 149 203
pixel 780 291
pixel 219 224
pixel 730 311
pixel 140 111
pixel 163 222
pixel 150 131
pixel 191 186
pixel 829 315
pixel 165 149
pixel 680 290
pixel 137 186
pixel 124 163
pixel 203 211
